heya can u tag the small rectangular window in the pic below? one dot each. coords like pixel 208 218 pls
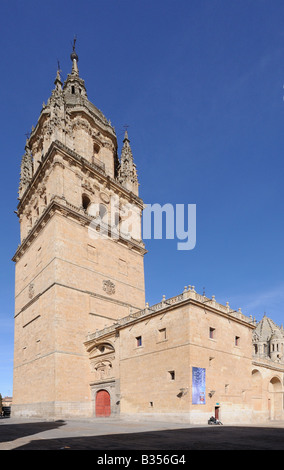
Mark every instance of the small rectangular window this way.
pixel 162 334
pixel 172 375
pixel 92 253
pixel 211 361
pixel 139 341
pixel 237 340
pixel 122 266
pixel 212 333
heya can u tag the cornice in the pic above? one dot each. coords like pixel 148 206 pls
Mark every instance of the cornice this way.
pixel 66 152
pixel 59 205
pixel 94 114
pixel 162 308
pixel 269 365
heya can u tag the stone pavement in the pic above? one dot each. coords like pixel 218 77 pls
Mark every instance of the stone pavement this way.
pixel 120 435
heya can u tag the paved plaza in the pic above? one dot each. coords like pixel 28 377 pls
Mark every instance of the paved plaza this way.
pixel 120 435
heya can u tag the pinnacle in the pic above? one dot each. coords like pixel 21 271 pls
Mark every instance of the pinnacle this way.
pixel 126 136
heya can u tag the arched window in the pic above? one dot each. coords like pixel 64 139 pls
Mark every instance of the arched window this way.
pixel 96 148
pixel 85 202
pixel 103 213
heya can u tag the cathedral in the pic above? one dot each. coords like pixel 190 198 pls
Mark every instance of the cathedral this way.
pixel 86 342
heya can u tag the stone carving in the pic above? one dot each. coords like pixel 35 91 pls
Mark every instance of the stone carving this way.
pixel 31 291
pixel 104 197
pixel 109 287
pixel 103 370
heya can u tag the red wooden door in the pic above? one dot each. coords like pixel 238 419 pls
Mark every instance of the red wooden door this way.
pixel 103 403
pixel 217 412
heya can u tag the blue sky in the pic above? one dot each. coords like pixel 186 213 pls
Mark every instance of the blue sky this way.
pixel 200 84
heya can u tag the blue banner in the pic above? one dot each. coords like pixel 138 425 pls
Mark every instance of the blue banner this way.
pixel 198 386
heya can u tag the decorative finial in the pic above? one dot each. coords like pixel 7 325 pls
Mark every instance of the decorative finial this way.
pixel 74 56
pixel 126 133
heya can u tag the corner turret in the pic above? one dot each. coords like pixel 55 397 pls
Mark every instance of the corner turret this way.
pixel 127 173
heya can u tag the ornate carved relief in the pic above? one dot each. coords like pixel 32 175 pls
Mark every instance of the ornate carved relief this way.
pixel 109 287
pixel 87 185
pixel 104 197
pixel 103 370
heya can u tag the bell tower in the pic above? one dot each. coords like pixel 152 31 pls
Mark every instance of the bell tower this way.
pixel 76 270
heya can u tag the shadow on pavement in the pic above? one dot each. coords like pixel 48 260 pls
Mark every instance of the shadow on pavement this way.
pixel 11 432
pixel 211 438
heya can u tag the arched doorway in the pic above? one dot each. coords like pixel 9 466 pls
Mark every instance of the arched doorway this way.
pixel 102 404
pixel 275 399
pixel 256 390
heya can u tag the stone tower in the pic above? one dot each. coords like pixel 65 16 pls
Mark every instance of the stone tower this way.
pixel 71 277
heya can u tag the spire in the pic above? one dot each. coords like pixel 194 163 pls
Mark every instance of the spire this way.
pixel 74 85
pixel 74 57
pixel 126 137
pixel 56 97
pixel 127 174
pixel 126 152
pixel 57 81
